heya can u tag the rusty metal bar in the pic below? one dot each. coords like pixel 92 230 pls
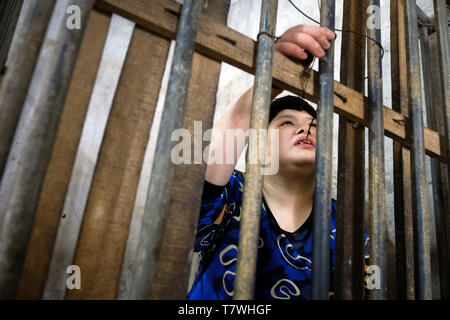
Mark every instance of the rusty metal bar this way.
pixel 418 167
pixel 441 19
pixel 442 177
pixel 437 184
pixel 402 181
pixel 349 272
pixel 320 273
pixel 440 13
pixel 377 190
pixel 24 54
pixel 251 205
pixel 25 171
pixel 149 249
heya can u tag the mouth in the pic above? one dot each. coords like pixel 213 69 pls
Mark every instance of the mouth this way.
pixel 304 142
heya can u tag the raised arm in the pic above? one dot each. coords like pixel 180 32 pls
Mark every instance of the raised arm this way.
pixel 293 43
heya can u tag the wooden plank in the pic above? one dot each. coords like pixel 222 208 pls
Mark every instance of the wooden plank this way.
pixel 185 196
pixel 224 44
pixel 108 213
pixel 57 178
pixel 109 72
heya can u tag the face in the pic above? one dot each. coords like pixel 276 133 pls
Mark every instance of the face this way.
pixel 296 147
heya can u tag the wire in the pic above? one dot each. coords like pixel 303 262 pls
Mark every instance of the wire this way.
pixel 339 30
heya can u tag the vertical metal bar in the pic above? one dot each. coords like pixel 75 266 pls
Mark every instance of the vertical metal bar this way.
pixel 402 181
pixel 30 34
pixel 442 177
pixel 251 206
pixel 438 197
pixel 8 20
pixel 418 168
pixel 324 156
pixel 377 191
pixel 440 13
pixel 19 196
pixel 349 272
pixel 155 214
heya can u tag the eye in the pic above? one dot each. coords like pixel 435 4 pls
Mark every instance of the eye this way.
pixel 286 122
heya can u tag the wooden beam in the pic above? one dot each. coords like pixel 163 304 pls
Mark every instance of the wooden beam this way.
pixel 224 44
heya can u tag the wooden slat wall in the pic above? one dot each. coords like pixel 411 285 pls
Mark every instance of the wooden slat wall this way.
pixel 174 268
pixel 108 213
pixel 57 178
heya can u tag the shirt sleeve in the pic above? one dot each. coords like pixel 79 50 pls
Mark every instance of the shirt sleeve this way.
pixel 218 205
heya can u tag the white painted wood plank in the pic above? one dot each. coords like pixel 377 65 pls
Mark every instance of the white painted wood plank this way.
pixel 113 58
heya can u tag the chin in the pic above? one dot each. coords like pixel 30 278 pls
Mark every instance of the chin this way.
pixel 304 162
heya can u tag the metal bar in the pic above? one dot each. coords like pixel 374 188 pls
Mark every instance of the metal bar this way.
pixel 440 12
pixel 418 167
pixel 438 200
pixel 324 156
pixel 155 214
pixel 30 34
pixel 349 272
pixel 114 54
pixel 402 180
pixel 25 170
pixel 8 25
pixel 251 205
pixel 437 113
pixel 377 190
pixel 441 18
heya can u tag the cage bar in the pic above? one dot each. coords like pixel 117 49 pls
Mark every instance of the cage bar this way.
pixel 149 248
pixel 320 272
pixel 25 50
pixel 418 166
pixel 251 205
pixel 377 190
pixel 25 171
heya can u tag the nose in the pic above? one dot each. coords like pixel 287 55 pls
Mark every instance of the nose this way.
pixel 299 130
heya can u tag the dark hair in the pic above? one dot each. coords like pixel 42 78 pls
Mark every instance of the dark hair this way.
pixel 290 102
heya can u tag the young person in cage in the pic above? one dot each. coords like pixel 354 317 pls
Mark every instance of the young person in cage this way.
pixel 285 239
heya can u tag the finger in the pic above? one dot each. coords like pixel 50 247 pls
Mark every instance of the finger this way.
pixel 331 35
pixel 313 30
pixel 321 35
pixel 291 49
pixel 306 42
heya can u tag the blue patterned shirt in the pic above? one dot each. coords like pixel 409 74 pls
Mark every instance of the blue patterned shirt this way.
pixel 284 258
